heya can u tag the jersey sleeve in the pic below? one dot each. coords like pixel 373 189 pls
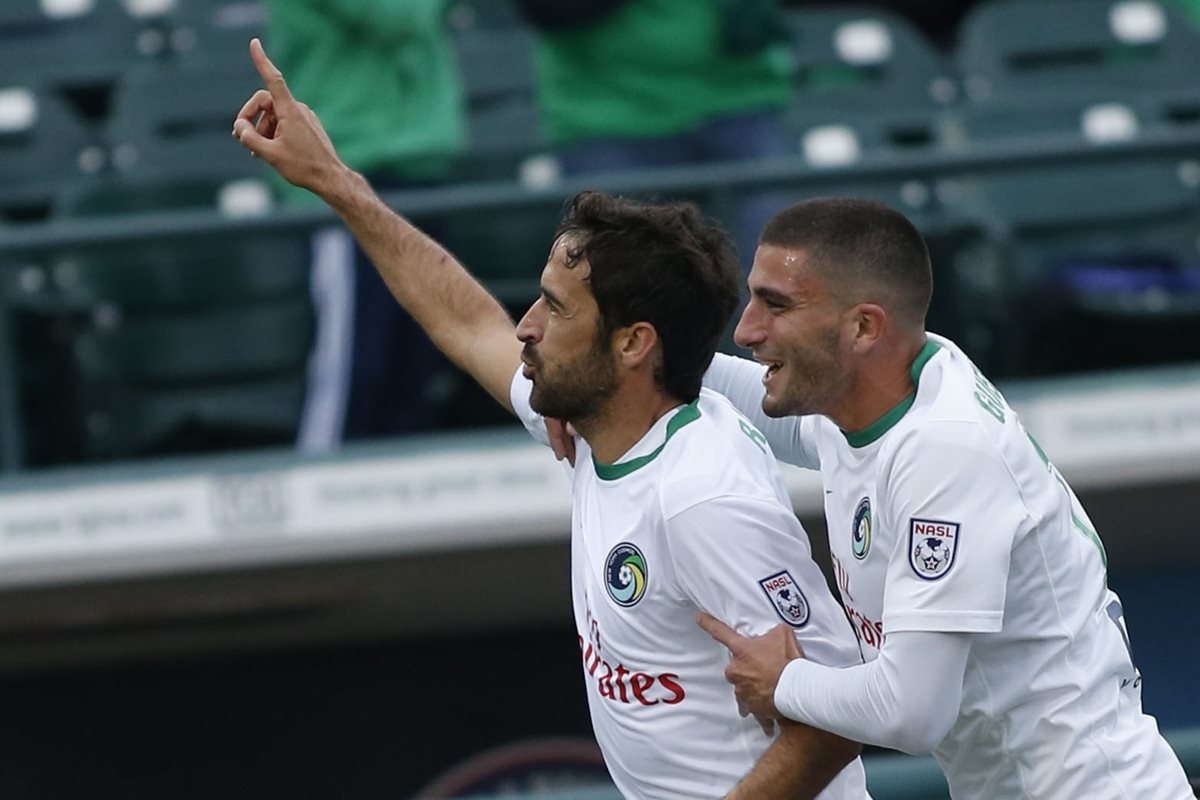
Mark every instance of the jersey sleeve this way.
pixel 518 394
pixel 746 561
pixel 958 511
pixel 906 699
pixel 740 381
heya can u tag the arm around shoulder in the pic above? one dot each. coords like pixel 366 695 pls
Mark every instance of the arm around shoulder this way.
pixel 906 699
pixel 739 380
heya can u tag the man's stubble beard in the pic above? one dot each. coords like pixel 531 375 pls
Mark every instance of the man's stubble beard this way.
pixel 814 383
pixel 578 390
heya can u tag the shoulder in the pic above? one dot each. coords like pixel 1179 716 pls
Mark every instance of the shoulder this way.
pixel 718 455
pixel 951 409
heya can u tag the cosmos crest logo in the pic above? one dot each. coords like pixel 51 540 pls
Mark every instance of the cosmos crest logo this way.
pixel 625 574
pixel 860 530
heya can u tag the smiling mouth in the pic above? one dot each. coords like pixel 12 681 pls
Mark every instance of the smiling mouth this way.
pixel 772 368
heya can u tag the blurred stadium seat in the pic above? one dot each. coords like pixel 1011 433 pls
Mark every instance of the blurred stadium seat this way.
pixel 214 29
pixel 504 128
pixel 506 246
pixel 866 81
pixel 169 143
pixel 59 43
pixel 859 57
pixel 44 146
pixel 1103 259
pixel 484 14
pixel 1028 48
pixel 171 344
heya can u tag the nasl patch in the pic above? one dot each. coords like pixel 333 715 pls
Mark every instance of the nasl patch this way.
pixel 932 544
pixel 784 593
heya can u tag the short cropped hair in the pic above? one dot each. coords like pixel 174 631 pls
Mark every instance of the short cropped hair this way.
pixel 860 246
pixel 663 264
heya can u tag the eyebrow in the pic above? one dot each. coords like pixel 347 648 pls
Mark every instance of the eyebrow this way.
pixel 551 297
pixel 773 295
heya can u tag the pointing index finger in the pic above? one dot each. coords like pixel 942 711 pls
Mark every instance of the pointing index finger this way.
pixel 719 631
pixel 272 77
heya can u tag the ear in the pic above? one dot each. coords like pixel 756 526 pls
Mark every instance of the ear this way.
pixel 868 323
pixel 634 344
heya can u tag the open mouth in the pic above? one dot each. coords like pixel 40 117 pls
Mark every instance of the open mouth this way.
pixel 772 368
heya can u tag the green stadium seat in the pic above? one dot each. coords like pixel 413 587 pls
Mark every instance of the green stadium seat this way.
pixel 215 30
pixel 1102 259
pixel 63 44
pixel 174 117
pixel 862 58
pixel 866 82
pixel 1015 49
pixel 468 15
pixel 504 129
pixel 43 147
pixel 505 246
pixel 174 342
pixel 1038 121
pixel 179 343
pixel 169 145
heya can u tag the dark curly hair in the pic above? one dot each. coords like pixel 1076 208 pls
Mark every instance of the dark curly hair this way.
pixel 667 265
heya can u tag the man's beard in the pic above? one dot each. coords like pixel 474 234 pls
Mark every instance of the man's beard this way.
pixel 813 381
pixel 577 390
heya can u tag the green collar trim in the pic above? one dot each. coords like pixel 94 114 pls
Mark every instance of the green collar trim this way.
pixel 611 472
pixel 879 427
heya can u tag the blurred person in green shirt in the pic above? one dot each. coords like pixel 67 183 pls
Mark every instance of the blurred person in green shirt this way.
pixel 632 84
pixel 1193 8
pixel 383 76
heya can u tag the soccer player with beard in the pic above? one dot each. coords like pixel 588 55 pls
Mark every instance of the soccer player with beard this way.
pixel 678 505
pixel 972 574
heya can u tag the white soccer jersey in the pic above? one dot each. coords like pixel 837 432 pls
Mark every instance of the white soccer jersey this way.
pixel 694 517
pixel 946 516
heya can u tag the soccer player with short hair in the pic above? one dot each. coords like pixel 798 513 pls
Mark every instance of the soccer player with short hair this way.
pixel 973 576
pixel 678 504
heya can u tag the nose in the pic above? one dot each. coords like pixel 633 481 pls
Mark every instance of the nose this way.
pixel 749 331
pixel 529 329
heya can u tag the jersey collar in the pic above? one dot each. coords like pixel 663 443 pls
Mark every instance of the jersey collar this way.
pixel 610 472
pixel 879 427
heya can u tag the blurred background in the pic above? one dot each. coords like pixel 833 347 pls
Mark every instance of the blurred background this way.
pixel 258 539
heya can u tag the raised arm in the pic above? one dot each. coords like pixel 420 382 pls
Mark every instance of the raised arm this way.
pixel 461 318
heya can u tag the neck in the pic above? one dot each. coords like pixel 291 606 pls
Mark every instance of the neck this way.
pixel 623 421
pixel 878 387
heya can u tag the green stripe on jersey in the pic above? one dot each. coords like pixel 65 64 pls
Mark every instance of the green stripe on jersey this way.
pixel 610 472
pixel 885 423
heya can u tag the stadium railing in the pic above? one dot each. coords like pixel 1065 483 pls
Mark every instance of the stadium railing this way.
pixel 919 183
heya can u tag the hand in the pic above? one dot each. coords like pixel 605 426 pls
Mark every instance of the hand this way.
pixel 756 665
pixel 284 132
pixel 562 439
